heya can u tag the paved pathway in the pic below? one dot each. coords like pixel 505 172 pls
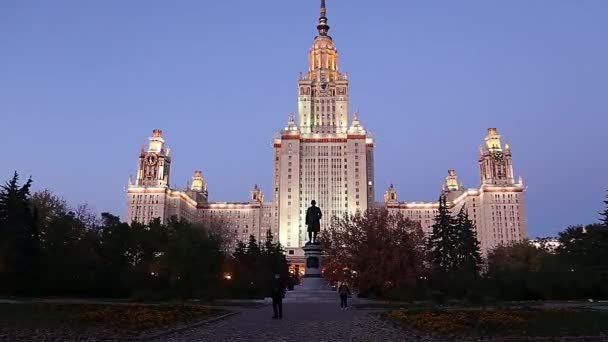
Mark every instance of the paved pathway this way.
pixel 301 322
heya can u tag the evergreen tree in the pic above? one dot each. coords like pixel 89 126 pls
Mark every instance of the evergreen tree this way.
pixel 467 245
pixel 604 214
pixel 19 237
pixel 240 252
pixel 441 243
pixel 253 249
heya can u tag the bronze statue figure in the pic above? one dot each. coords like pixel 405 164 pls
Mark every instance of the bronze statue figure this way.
pixel 313 221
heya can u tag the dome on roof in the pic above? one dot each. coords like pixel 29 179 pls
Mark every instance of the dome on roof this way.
pixel 323 42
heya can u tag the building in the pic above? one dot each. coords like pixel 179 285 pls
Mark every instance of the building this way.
pixel 497 206
pixel 150 197
pixel 325 154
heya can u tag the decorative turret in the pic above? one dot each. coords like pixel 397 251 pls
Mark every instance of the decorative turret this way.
pixel 451 182
pixel 355 127
pixel 493 140
pixel 156 141
pixel 198 182
pixel 256 195
pixel 291 123
pixel 197 189
pixel 391 196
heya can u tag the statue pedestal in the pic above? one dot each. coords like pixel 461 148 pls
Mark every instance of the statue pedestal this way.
pixel 313 256
pixel 313 279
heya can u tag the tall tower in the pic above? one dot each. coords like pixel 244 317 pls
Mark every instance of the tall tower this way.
pixel 320 156
pixel 495 162
pixel 154 163
pixel 147 196
pixel 323 98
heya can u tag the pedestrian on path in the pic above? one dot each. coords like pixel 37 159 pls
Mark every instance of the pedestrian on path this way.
pixel 344 292
pixel 277 293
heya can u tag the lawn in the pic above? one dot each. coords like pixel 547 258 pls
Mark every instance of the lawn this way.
pixel 502 322
pixel 66 321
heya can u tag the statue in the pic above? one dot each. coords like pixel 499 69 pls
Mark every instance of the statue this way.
pixel 313 218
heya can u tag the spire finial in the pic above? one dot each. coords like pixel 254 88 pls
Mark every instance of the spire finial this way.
pixel 323 27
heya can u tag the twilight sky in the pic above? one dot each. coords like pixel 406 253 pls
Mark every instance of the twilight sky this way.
pixel 83 83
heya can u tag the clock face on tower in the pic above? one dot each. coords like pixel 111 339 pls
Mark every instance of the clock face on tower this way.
pixel 498 155
pixel 323 86
pixel 151 159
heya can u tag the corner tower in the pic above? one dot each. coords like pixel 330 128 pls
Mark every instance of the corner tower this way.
pixel 154 162
pixel 495 162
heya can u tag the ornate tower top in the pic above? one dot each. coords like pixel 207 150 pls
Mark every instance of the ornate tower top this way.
pixel 156 141
pixel 323 54
pixel 256 194
pixel 198 182
pixel 323 27
pixel 451 182
pixel 390 196
pixel 493 140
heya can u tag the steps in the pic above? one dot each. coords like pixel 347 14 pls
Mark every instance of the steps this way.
pixel 311 296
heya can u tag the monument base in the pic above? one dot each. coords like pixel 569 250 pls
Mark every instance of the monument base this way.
pixel 313 284
pixel 313 278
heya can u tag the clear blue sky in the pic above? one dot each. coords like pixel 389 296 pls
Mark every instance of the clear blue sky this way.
pixel 83 83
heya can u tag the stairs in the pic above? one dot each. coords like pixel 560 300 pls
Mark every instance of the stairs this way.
pixel 311 296
pixel 312 290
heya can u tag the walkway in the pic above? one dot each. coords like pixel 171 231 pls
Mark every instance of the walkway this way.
pixel 301 322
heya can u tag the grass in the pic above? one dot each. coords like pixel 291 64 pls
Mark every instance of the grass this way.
pixel 129 318
pixel 502 322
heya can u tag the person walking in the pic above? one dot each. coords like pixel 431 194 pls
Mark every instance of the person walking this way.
pixel 344 292
pixel 277 293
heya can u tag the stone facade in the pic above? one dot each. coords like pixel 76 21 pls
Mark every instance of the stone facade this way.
pixel 151 197
pixel 325 156
pixel 497 206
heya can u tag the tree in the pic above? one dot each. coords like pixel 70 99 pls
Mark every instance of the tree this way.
pixel 68 256
pixel 584 251
pixel 48 207
pixel 512 269
pixel 116 256
pixel 467 246
pixel 253 265
pixel 194 260
pixel 442 242
pixel 378 252
pixel 19 238
pixel 604 213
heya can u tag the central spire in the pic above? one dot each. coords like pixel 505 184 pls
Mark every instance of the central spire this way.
pixel 323 27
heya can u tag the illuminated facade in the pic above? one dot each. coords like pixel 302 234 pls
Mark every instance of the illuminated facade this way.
pixel 497 206
pixel 324 156
pixel 327 156
pixel 151 197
